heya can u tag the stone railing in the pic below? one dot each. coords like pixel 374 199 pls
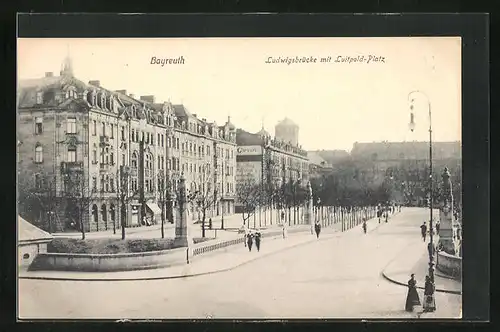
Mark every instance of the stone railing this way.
pixel 449 264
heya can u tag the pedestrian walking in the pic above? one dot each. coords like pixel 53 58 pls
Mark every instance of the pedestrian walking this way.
pixel 249 241
pixel 429 300
pixel 379 214
pixel 257 240
pixel 423 230
pixel 210 223
pixel 317 228
pixel 364 226
pixel 437 228
pixel 412 298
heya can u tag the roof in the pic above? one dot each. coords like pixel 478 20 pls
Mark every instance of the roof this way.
pixel 27 232
pixel 316 159
pixel 286 122
pixel 181 111
pixel 245 138
pixel 263 132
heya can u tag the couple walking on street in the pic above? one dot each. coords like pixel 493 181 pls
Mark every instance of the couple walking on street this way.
pixel 250 237
pixel 412 298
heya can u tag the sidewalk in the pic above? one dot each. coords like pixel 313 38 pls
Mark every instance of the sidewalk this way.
pixel 215 262
pixel 416 260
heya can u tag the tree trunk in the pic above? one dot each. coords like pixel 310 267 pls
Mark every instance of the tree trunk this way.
pixel 203 224
pixel 123 219
pixel 82 228
pixel 162 220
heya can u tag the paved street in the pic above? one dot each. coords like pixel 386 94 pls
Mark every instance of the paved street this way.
pixel 338 277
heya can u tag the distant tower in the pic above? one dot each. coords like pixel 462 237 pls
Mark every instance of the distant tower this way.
pixel 287 131
pixel 67 66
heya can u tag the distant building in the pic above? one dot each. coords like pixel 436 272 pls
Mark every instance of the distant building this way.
pixel 317 165
pixel 75 136
pixel 287 131
pixel 268 161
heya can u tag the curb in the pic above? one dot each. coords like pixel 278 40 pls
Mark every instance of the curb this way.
pixel 385 275
pixel 179 275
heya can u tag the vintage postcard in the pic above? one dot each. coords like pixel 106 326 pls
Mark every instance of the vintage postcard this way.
pixel 239 178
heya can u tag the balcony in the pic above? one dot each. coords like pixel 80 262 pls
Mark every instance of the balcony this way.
pixel 69 167
pixel 103 141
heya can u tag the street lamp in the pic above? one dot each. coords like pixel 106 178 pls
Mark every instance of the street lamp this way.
pixel 411 100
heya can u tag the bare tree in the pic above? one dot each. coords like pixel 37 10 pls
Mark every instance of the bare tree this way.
pixel 125 192
pixel 165 198
pixel 38 201
pixel 248 193
pixel 204 199
pixel 80 196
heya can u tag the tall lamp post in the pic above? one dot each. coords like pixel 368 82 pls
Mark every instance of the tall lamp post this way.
pixel 411 100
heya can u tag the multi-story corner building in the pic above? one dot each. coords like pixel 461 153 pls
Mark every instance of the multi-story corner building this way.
pixel 92 149
pixel 269 161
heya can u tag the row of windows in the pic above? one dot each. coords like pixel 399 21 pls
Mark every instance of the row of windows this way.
pixel 70 125
pixel 70 154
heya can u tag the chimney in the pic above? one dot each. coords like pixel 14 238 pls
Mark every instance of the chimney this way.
pixel 96 83
pixel 123 92
pixel 204 120
pixel 49 74
pixel 131 95
pixel 195 115
pixel 149 99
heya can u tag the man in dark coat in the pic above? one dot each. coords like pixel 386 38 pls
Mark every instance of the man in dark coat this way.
pixel 317 229
pixel 257 240
pixel 423 230
pixel 364 227
pixel 249 241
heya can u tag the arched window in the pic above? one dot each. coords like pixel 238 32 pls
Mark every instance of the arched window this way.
pixel 95 214
pixel 134 160
pixel 104 213
pixel 112 215
pixel 38 153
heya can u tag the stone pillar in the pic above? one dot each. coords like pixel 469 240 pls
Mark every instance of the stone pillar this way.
pixel 308 212
pixel 181 230
pixel 446 215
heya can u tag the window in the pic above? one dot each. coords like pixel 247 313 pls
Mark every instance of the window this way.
pixel 123 159
pixel 94 127
pixel 159 161
pixel 112 130
pixel 71 154
pixel 102 182
pixel 94 154
pixel 107 183
pixel 112 158
pixel 133 135
pixel 71 126
pixel 158 137
pixel 38 125
pixel 103 129
pixel 134 159
pixel 123 133
pixel 112 184
pixel 38 153
pixel 177 142
pixel 94 183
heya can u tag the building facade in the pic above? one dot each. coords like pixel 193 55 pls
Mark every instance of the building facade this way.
pixel 269 161
pixel 105 156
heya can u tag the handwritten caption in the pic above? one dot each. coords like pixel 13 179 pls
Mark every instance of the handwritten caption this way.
pixel 367 59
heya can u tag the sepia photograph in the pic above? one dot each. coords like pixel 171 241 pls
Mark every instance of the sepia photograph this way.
pixel 239 178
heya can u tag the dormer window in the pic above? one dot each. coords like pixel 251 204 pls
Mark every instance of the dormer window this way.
pixel 71 93
pixel 39 97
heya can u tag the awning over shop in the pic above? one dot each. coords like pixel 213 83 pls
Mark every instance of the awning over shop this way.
pixel 154 208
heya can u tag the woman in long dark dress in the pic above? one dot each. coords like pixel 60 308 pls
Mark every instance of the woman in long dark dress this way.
pixel 429 301
pixel 317 229
pixel 412 298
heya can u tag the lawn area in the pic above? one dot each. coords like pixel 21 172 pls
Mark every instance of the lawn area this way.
pixel 112 246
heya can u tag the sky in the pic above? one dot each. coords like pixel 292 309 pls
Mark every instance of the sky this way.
pixel 334 103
